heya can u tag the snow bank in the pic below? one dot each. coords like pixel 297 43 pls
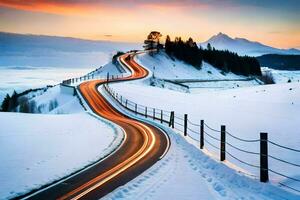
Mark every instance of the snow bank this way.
pixel 37 149
pixel 283 76
pixel 65 103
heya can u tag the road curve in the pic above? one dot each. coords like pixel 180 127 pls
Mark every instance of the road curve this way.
pixel 143 145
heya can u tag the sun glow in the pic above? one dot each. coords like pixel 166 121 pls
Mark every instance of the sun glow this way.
pixel 132 21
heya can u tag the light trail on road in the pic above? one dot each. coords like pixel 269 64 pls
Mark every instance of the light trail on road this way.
pixel 143 145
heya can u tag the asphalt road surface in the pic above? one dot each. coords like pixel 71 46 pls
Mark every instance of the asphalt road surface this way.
pixel 143 145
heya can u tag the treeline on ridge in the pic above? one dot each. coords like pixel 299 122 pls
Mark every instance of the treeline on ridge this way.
pixel 189 52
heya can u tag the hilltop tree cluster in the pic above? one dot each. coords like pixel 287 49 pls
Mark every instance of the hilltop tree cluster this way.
pixel 153 42
pixel 189 52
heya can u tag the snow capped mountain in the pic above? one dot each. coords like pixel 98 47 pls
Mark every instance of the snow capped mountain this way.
pixel 243 46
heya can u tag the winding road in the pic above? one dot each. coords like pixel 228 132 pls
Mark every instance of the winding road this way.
pixel 143 145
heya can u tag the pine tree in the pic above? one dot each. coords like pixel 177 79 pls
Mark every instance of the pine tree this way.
pixel 5 103
pixel 168 44
pixel 13 103
pixel 209 48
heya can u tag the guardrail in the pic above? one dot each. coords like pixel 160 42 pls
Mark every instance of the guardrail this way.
pixel 91 75
pixel 204 134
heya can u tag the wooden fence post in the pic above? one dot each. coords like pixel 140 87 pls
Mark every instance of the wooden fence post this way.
pixel 264 172
pixel 126 102
pixel 185 124
pixel 121 99
pixel 146 115
pixel 171 122
pixel 161 116
pixel 135 108
pixel 153 113
pixel 107 77
pixel 201 134
pixel 223 142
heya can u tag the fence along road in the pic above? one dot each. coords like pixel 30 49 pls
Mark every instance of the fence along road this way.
pixel 204 135
pixel 143 145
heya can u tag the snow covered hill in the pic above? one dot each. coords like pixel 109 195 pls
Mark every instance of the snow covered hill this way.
pixel 243 46
pixel 167 69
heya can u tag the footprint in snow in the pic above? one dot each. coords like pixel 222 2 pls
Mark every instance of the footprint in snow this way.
pixel 119 195
pixel 125 190
pixel 220 189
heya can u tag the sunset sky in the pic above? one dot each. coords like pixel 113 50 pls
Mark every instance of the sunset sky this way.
pixel 272 22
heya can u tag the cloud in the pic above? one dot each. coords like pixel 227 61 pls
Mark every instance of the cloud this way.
pixel 81 6
pixel 85 6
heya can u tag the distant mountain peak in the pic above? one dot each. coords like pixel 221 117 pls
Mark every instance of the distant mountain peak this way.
pixel 244 46
pixel 220 38
pixel 222 34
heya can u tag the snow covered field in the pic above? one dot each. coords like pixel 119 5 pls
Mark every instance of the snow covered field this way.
pixel 33 154
pixel 187 173
pixel 245 111
pixel 37 149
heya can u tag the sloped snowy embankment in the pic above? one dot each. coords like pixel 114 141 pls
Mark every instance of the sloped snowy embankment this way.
pixel 37 149
pixel 163 67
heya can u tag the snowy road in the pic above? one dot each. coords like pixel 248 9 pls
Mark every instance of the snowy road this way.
pixel 142 147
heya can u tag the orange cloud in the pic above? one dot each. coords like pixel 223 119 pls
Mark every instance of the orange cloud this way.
pixel 66 7
pixel 54 7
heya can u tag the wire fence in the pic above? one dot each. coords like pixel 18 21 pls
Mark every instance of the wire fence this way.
pixel 205 134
